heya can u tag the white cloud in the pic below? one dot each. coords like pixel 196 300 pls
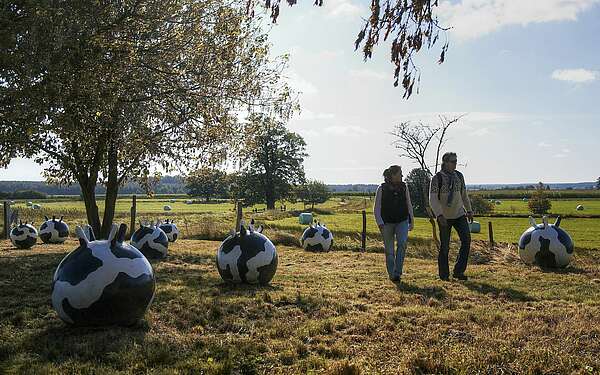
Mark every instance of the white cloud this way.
pixel 367 73
pixel 544 145
pixel 308 115
pixel 481 132
pixel 466 122
pixel 575 75
pixel 343 9
pixel 471 19
pixel 348 131
pixel 301 84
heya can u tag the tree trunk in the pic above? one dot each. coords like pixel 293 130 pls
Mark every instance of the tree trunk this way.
pixel 88 190
pixel 112 190
pixel 270 198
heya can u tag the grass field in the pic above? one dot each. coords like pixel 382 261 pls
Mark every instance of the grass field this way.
pixel 214 220
pixel 333 313
pixel 559 207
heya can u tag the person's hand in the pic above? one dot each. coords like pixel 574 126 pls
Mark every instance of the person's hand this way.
pixel 470 216
pixel 442 221
pixel 411 225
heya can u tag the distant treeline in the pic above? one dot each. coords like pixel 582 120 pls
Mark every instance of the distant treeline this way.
pixel 167 185
pixel 23 194
pixel 552 194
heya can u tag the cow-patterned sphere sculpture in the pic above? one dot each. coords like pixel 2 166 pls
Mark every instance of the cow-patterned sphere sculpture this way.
pixel 151 241
pixel 317 238
pixel 54 231
pixel 170 229
pixel 103 282
pixel 546 245
pixel 24 236
pixel 247 257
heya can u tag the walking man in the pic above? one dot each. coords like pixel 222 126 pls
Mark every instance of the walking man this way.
pixel 451 205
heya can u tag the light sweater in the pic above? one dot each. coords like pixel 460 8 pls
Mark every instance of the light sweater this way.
pixel 377 206
pixel 461 204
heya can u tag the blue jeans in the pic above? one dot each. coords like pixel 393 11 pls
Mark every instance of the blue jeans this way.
pixel 394 258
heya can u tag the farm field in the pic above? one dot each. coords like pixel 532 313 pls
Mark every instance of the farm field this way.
pixel 214 220
pixel 559 207
pixel 332 313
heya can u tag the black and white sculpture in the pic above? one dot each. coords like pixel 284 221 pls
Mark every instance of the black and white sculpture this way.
pixel 546 245
pixel 247 257
pixel 151 241
pixel 23 236
pixel 317 238
pixel 54 231
pixel 103 282
pixel 170 230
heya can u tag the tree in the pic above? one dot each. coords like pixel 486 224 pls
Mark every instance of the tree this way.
pixel 598 184
pixel 207 182
pixel 313 192
pixel 414 141
pixel 539 203
pixel 105 92
pixel 245 188
pixel 410 24
pixel 272 158
pixel 482 206
pixel 418 181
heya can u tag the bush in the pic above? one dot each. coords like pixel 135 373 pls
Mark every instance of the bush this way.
pixel 481 206
pixel 539 203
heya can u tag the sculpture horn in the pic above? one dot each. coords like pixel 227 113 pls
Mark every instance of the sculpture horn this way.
pixel 557 222
pixel 120 237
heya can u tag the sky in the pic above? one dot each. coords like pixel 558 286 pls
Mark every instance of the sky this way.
pixel 525 73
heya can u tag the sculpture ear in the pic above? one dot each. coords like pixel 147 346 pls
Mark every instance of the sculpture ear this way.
pixel 532 222
pixel 557 222
pixel 92 235
pixel 61 218
pixel 46 218
pixel 545 221
pixel 242 231
pixel 260 229
pixel 53 217
pixel 83 240
pixel 113 232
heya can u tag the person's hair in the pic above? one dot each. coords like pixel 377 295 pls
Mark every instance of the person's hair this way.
pixel 388 173
pixel 446 158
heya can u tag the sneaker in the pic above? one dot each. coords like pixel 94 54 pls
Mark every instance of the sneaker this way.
pixel 461 277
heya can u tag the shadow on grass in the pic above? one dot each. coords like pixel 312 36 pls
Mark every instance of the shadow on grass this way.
pixel 429 292
pixel 565 271
pixel 504 293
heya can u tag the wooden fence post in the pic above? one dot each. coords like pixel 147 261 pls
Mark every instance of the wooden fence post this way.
pixel 491 233
pixel 7 216
pixel 363 245
pixel 238 217
pixel 133 214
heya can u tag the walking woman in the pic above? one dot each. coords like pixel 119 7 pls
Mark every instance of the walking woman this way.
pixel 394 216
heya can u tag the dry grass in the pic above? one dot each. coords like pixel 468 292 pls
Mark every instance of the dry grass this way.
pixel 333 313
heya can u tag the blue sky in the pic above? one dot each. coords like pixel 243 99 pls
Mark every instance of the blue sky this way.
pixel 527 73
